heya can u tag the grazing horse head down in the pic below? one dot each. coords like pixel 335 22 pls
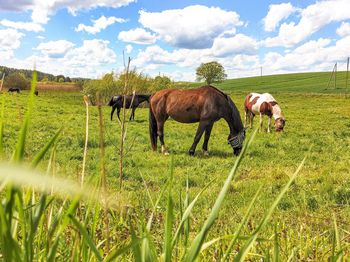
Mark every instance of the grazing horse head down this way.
pixel 264 104
pixel 205 105
pixel 14 89
pixel 131 101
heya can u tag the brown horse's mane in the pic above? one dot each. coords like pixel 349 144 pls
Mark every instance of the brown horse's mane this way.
pixel 218 90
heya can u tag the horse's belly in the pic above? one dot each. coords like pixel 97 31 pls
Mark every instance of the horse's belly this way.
pixel 184 117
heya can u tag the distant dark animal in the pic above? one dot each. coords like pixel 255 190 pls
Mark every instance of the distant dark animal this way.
pixel 14 89
pixel 36 92
pixel 117 102
pixel 205 105
pixel 263 104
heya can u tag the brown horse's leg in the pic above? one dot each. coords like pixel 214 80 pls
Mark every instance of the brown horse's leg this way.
pixel 202 126
pixel 161 137
pixel 206 139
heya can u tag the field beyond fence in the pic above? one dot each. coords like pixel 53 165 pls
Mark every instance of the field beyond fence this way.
pixel 64 87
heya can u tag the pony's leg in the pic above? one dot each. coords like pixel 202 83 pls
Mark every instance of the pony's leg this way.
pixel 206 139
pixel 261 122
pixel 251 118
pixel 132 116
pixel 118 113
pixel 245 118
pixel 201 128
pixel 269 124
pixel 160 133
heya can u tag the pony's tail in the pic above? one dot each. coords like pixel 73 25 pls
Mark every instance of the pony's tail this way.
pixel 153 129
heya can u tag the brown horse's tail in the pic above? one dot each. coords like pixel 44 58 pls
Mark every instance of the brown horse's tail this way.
pixel 153 129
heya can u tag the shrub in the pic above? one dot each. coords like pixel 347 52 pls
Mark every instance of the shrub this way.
pixel 16 80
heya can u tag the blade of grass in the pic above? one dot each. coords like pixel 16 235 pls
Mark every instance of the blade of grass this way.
pixel 169 218
pixel 82 230
pixel 2 118
pixel 19 151
pixel 200 238
pixel 241 225
pixel 246 247
pixel 40 155
pixel 188 211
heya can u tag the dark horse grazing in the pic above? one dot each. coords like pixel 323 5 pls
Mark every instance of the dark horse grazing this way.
pixel 36 92
pixel 205 105
pixel 117 102
pixel 14 89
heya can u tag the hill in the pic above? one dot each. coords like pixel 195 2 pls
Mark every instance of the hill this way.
pixel 301 82
pixel 315 82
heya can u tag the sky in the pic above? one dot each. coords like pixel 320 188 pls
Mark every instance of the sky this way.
pixel 87 38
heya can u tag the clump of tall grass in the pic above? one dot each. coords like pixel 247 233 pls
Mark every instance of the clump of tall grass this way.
pixel 45 217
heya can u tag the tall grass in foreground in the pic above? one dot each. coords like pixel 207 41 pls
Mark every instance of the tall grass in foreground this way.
pixel 39 219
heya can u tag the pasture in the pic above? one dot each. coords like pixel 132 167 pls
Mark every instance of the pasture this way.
pixel 301 227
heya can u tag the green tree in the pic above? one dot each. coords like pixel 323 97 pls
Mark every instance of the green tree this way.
pixel 162 82
pixel 16 80
pixel 211 72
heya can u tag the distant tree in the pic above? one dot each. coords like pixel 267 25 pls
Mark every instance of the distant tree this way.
pixel 45 79
pixel 162 82
pixel 61 80
pixel 67 79
pixel 59 77
pixel 211 72
pixel 16 80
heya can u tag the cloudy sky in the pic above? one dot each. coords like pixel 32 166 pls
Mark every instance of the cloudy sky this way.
pixel 86 38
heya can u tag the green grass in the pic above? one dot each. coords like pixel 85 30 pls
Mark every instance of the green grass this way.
pixel 302 221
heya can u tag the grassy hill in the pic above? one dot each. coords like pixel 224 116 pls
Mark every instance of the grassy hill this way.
pixel 315 82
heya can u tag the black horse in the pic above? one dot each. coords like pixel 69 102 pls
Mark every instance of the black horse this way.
pixel 14 89
pixel 117 102
pixel 36 92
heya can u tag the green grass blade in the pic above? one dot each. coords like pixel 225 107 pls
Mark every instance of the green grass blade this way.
pixel 82 230
pixel 276 247
pixel 19 152
pixel 200 238
pixel 187 212
pixel 246 247
pixel 53 251
pixel 40 155
pixel 241 225
pixel 169 218
pixel 2 118
pixel 118 252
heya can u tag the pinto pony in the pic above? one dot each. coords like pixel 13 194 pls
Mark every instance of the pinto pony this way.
pixel 117 102
pixel 263 104
pixel 205 105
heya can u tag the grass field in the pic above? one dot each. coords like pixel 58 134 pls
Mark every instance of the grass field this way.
pixel 302 226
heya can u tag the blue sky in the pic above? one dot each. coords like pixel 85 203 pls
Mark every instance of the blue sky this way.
pixel 86 38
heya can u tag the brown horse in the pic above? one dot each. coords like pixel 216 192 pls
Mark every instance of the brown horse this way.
pixel 205 105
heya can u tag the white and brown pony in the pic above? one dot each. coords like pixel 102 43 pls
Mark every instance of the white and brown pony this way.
pixel 263 104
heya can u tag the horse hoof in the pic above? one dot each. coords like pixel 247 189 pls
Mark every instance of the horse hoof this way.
pixel 191 153
pixel 205 153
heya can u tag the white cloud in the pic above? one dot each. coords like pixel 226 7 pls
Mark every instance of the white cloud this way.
pixel 313 18
pixel 344 29
pixel 42 9
pixel 55 49
pixel 193 27
pixel 99 24
pixel 10 39
pixel 128 49
pixel 28 26
pixel 238 44
pixel 276 14
pixel 137 36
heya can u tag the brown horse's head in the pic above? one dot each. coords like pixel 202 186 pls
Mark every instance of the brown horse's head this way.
pixel 279 124
pixel 236 141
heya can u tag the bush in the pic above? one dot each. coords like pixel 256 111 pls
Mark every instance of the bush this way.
pixel 17 80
